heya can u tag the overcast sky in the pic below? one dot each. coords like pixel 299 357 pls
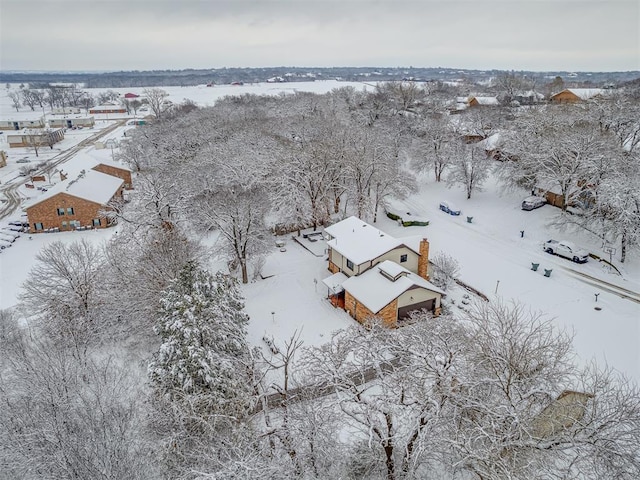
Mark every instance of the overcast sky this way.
pixel 571 35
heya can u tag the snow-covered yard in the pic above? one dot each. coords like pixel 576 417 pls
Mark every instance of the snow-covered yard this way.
pixel 494 256
pixel 495 259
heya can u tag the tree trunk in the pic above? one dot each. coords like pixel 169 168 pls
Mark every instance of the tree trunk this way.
pixel 623 247
pixel 243 266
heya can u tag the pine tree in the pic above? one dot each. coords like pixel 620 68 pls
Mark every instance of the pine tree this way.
pixel 204 351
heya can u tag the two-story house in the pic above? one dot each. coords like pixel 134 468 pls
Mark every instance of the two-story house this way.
pixel 376 274
pixel 74 204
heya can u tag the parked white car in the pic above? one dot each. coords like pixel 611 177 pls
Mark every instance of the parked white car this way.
pixel 531 203
pixel 566 249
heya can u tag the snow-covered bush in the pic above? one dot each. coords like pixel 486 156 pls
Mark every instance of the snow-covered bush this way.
pixel 444 270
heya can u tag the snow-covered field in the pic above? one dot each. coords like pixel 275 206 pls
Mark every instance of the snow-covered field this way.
pixel 494 258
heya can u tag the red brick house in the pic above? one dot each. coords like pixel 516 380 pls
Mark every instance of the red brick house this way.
pixel 377 274
pixel 115 170
pixel 75 204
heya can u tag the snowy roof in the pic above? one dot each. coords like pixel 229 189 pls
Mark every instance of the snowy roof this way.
pixel 335 281
pixel 33 131
pixel 66 116
pixel 375 290
pixel 486 100
pixel 359 241
pixel 75 165
pixel 491 142
pixel 107 107
pixel 584 93
pixel 91 185
pixel 412 242
pixel 530 94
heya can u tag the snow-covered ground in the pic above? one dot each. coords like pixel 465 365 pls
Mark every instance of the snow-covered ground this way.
pixel 494 258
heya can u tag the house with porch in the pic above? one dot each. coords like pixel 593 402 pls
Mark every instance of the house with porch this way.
pixel 376 274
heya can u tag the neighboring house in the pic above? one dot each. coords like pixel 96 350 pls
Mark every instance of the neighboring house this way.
pixel 30 138
pixel 575 95
pixel 66 111
pixel 552 194
pixel 357 251
pixel 107 109
pixel 75 204
pixel 21 124
pixel 67 121
pixel 562 414
pixel 131 95
pixel 483 101
pixel 528 98
pixel 115 170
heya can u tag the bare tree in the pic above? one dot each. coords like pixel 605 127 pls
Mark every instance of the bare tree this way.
pixel 238 213
pixel 135 105
pixel 63 293
pixel 29 98
pixel 470 168
pixel 155 98
pixel 434 146
pixel 523 407
pixel 445 270
pixel 62 418
pixel 15 99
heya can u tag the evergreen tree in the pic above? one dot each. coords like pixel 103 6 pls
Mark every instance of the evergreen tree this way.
pixel 204 352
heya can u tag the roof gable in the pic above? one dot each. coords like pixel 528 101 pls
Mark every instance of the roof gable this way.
pixel 358 241
pixel 375 290
pixel 91 185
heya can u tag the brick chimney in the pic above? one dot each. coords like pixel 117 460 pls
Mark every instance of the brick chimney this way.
pixel 423 260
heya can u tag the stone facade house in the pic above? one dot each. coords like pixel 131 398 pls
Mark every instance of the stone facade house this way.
pixel 75 204
pixel 377 274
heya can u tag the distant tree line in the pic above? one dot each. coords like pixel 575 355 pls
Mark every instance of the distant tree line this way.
pixel 190 77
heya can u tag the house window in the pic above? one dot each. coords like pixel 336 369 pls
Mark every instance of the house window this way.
pixel 349 264
pixel 38 226
pixel 70 211
pixel 60 212
pixel 403 258
pixel 96 222
pixel 74 223
pixel 64 224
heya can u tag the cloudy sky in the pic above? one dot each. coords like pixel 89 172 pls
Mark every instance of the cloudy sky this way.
pixel 572 35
